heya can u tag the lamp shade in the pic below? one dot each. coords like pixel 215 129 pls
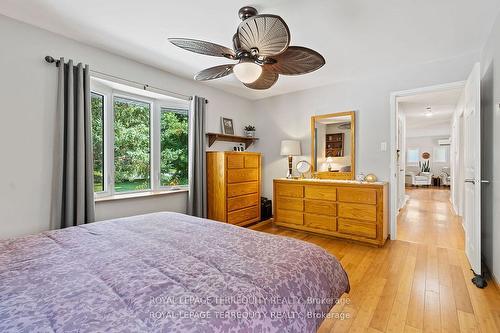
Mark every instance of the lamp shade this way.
pixel 290 148
pixel 329 160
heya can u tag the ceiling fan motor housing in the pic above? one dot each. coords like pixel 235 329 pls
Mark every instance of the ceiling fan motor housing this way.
pixel 247 12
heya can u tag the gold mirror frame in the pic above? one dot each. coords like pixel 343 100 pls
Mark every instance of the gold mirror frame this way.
pixel 334 175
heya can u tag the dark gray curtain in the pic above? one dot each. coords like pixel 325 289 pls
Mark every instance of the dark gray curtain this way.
pixel 197 198
pixel 73 195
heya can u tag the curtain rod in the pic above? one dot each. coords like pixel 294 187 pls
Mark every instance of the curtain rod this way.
pixel 144 86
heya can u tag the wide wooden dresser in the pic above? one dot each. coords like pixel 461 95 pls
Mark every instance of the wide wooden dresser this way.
pixel 343 209
pixel 233 186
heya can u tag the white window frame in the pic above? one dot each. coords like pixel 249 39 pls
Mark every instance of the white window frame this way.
pixel 106 139
pixel 109 158
pixel 171 105
pixel 412 163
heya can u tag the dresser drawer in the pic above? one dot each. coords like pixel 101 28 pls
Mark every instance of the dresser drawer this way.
pixel 362 195
pixel 320 207
pixel 252 161
pixel 291 217
pixel 242 202
pixel 319 221
pixel 242 175
pixel 235 161
pixel 290 204
pixel 234 190
pixel 358 211
pixel 321 192
pixel 287 190
pixel 357 228
pixel 243 215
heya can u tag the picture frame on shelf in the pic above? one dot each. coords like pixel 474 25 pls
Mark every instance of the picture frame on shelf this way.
pixel 227 126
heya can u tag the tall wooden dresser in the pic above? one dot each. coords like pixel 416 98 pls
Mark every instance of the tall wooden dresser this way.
pixel 233 186
pixel 344 209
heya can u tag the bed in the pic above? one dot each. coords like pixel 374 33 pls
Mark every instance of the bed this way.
pixel 165 272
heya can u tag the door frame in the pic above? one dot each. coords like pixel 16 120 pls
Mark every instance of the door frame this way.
pixel 393 177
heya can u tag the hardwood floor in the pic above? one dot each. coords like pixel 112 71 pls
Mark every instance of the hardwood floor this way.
pixel 420 283
pixel 428 218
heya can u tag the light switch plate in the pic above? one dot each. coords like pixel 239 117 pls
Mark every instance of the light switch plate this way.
pixel 383 146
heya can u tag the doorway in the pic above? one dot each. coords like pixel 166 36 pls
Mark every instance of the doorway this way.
pixel 421 126
pixel 466 131
pixel 425 129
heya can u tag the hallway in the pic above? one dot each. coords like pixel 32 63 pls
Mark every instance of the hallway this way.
pixel 428 218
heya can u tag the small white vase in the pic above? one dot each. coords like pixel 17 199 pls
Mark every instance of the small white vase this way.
pixel 250 134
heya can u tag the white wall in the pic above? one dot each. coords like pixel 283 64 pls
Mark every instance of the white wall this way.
pixel 490 100
pixel 288 116
pixel 28 95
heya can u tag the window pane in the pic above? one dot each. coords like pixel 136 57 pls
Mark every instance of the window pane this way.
pixel 440 154
pixel 132 145
pixel 174 147
pixel 413 155
pixel 97 109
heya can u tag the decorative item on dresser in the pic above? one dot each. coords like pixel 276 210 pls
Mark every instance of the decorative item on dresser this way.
pixel 344 209
pixel 233 186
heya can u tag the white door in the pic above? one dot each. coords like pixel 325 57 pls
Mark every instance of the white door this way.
pixel 401 163
pixel 472 169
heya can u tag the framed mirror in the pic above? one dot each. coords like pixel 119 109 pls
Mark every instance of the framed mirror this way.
pixel 333 145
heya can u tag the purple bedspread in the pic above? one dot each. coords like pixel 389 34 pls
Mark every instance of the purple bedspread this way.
pixel 165 272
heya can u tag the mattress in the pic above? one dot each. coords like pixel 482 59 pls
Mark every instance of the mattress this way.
pixel 165 272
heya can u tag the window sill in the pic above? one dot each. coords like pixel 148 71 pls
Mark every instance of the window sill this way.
pixel 139 195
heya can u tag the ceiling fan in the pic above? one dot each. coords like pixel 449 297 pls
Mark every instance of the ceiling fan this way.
pixel 261 45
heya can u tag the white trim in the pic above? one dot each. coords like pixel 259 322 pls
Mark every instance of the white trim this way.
pixel 393 184
pixel 107 174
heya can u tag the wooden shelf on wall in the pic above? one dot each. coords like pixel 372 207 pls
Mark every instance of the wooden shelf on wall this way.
pixel 212 137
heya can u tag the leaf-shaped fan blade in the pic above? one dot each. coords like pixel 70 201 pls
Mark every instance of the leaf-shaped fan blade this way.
pixel 202 47
pixel 214 72
pixel 297 60
pixel 266 80
pixel 268 33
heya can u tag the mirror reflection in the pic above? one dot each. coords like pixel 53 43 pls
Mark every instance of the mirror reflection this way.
pixel 333 144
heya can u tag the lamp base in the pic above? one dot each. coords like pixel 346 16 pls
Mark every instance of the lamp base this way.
pixel 289 175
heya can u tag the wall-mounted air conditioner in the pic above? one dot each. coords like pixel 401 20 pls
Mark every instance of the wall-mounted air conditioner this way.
pixel 444 142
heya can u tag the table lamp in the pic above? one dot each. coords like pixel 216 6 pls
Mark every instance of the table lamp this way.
pixel 329 161
pixel 290 148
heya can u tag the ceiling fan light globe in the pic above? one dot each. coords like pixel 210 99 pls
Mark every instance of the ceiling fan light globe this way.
pixel 247 72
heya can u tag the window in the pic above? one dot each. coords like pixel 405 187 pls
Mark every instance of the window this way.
pixel 440 155
pixel 173 147
pixel 140 143
pixel 132 144
pixel 413 156
pixel 97 110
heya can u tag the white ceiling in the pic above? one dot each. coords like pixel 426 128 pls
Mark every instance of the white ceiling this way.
pixel 442 104
pixel 357 37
